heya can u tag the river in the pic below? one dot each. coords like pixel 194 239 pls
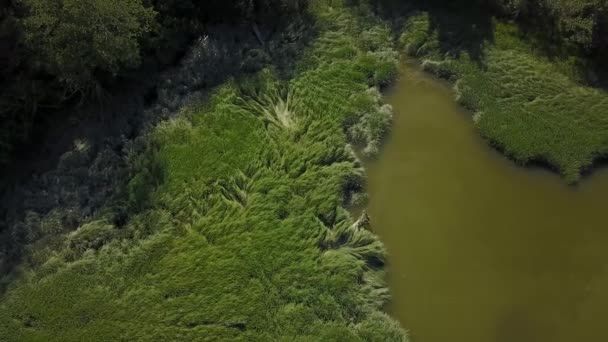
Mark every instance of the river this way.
pixel 480 249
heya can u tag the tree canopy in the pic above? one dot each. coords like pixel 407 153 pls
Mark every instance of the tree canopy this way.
pixel 76 38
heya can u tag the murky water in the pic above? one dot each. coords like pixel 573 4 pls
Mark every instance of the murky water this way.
pixel 482 250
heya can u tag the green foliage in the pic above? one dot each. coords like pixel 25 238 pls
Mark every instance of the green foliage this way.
pixel 246 238
pixel 580 23
pixel 76 38
pixel 523 103
pixel 578 19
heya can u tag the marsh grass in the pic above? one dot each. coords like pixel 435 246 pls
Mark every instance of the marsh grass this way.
pixel 245 237
pixel 529 106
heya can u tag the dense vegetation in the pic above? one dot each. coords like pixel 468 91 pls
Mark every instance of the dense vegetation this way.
pixel 236 227
pixel 219 212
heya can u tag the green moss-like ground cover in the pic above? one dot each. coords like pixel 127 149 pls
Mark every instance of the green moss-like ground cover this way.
pixel 524 103
pixel 246 238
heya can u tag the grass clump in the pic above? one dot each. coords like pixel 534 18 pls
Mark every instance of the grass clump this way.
pixel 245 237
pixel 527 105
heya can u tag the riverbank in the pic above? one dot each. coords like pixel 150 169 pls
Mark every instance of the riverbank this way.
pixel 528 105
pixel 236 225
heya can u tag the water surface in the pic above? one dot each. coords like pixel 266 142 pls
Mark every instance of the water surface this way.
pixel 483 250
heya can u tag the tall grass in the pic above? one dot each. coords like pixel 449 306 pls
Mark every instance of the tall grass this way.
pixel 527 105
pixel 246 238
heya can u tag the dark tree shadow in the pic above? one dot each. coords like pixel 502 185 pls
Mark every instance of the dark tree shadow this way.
pixel 467 26
pixel 466 31
pixel 589 64
pixel 462 26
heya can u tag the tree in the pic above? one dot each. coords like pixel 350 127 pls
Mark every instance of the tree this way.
pixel 75 39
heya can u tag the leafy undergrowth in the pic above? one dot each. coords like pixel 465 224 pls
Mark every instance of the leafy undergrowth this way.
pixel 246 237
pixel 527 105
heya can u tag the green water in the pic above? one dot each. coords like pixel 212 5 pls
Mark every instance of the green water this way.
pixel 480 249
